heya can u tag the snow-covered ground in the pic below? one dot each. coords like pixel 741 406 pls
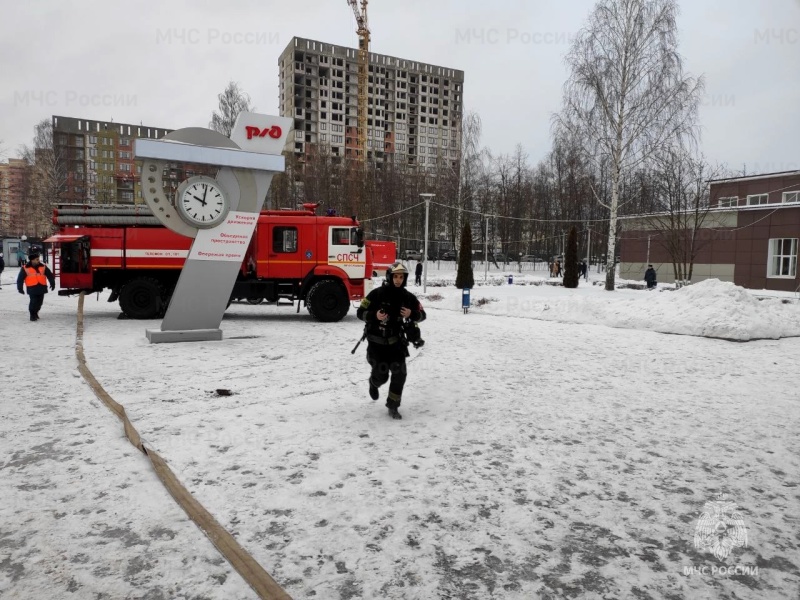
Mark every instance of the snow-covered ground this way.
pixel 554 444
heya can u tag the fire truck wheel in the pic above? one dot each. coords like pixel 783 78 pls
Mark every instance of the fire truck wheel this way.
pixel 255 300
pixel 141 298
pixel 327 301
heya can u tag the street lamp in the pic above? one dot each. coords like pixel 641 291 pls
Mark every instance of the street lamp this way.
pixel 427 198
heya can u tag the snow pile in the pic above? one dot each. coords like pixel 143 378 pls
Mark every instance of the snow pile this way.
pixel 711 308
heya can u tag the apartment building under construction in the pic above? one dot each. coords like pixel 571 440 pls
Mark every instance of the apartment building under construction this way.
pixel 414 112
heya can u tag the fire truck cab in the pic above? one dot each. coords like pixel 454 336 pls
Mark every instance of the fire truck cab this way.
pixel 293 255
pixel 320 260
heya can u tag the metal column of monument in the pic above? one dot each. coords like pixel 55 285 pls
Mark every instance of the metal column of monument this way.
pixel 220 213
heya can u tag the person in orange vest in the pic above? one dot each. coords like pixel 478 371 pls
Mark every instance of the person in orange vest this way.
pixel 35 276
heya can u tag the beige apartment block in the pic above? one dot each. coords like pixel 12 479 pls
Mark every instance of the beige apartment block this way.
pixel 414 114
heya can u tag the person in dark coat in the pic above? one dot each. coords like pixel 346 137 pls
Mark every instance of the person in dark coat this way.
pixel 387 310
pixel 2 268
pixel 418 272
pixel 35 276
pixel 584 270
pixel 650 277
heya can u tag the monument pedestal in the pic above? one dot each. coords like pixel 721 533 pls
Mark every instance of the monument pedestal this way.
pixel 156 336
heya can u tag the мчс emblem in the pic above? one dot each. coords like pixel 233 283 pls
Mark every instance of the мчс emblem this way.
pixel 720 529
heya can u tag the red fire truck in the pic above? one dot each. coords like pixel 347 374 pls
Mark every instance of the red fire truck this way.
pixel 294 255
pixel 383 255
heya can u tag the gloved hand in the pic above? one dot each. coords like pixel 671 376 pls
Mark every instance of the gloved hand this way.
pixel 52 287
pixel 21 292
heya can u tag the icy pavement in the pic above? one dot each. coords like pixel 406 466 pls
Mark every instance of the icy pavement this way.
pixel 535 459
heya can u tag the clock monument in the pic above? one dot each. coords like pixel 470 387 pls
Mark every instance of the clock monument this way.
pixel 220 213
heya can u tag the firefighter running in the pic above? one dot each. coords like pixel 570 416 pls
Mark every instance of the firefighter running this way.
pixel 391 314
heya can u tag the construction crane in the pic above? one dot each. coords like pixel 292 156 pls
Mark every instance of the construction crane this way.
pixel 363 73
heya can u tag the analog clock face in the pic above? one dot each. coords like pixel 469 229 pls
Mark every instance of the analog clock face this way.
pixel 202 203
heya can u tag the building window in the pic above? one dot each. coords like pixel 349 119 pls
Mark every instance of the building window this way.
pixel 782 258
pixel 754 199
pixel 791 197
pixel 728 202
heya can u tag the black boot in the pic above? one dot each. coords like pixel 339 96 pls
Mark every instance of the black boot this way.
pixel 393 406
pixel 373 391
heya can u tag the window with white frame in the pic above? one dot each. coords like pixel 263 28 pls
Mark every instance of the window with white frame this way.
pixel 754 199
pixel 791 197
pixel 729 201
pixel 782 258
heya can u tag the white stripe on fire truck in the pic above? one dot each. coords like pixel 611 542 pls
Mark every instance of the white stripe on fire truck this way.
pixel 148 253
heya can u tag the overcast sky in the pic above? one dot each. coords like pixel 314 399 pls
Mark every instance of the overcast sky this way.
pixel 163 63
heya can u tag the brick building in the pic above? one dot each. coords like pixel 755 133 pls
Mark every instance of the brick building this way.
pixel 14 187
pixel 749 236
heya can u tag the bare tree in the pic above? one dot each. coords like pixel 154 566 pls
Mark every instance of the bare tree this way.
pixel 231 102
pixel 471 165
pixel 48 181
pixel 680 182
pixel 627 96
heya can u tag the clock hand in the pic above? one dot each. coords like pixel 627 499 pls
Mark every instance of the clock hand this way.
pixel 205 191
pixel 202 201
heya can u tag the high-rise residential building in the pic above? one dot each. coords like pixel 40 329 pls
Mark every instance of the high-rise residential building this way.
pixel 14 188
pixel 414 113
pixel 98 160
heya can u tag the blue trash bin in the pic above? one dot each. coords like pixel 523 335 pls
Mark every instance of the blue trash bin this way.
pixel 465 299
pixel 510 279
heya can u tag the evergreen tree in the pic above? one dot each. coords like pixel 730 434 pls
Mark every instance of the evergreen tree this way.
pixel 464 277
pixel 571 273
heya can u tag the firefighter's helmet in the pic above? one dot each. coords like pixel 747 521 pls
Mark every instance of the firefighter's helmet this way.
pixel 397 267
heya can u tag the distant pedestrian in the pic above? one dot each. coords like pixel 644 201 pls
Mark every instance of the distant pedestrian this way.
pixel 35 276
pixel 418 272
pixel 20 256
pixel 2 267
pixel 650 277
pixel 558 269
pixel 584 270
